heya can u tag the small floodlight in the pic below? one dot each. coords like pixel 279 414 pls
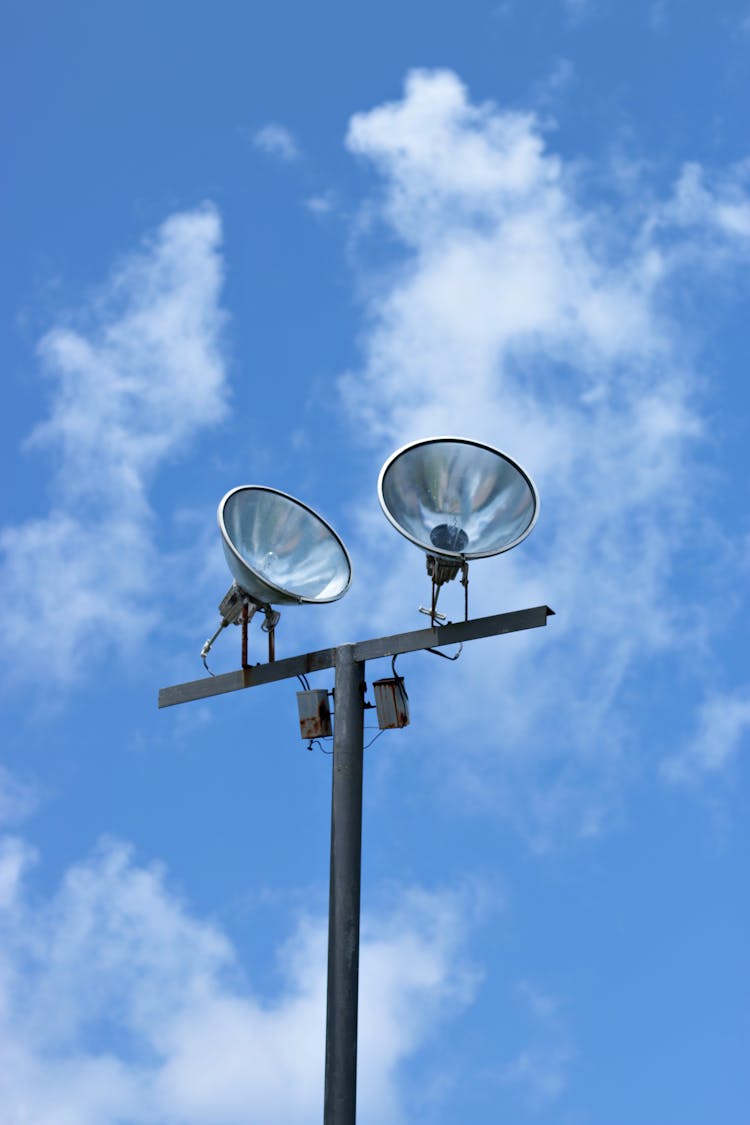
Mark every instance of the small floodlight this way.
pixel 457 500
pixel 279 552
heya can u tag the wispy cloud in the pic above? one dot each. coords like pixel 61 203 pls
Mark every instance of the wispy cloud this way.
pixel 180 1036
pixel 278 141
pixel 723 725
pixel 540 1072
pixel 321 204
pixel 131 383
pixel 16 857
pixel 526 313
pixel 17 798
pixel 549 90
pixel 719 204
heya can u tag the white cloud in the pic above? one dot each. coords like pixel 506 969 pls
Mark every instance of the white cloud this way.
pixel 130 387
pixel 322 204
pixel 723 725
pixel 540 1072
pixel 17 798
pixel 719 204
pixel 528 313
pixel 550 89
pixel 15 858
pixel 276 140
pixel 116 1004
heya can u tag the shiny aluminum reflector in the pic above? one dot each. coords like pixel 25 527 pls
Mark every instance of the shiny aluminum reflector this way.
pixel 280 551
pixel 457 498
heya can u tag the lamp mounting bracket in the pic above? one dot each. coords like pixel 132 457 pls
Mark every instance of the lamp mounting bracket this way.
pixel 442 570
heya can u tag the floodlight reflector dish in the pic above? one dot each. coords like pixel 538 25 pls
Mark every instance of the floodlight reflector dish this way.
pixel 280 551
pixel 458 498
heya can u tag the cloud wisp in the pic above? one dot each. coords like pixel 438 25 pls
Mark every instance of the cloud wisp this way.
pixel 276 140
pixel 723 725
pixel 539 1074
pixel 129 389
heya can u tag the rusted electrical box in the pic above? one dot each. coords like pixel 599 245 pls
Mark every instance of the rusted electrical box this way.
pixel 392 703
pixel 314 714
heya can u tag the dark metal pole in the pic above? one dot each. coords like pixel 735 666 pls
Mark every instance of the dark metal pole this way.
pixel 343 910
pixel 245 618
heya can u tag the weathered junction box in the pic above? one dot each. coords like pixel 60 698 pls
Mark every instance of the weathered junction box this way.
pixel 392 703
pixel 314 714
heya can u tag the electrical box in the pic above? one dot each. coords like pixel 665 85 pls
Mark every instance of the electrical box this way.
pixel 314 714
pixel 392 703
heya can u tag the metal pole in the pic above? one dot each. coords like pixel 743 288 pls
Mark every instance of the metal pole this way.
pixel 340 1107
pixel 245 619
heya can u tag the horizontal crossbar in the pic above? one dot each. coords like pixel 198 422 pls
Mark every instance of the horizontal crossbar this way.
pixel 435 637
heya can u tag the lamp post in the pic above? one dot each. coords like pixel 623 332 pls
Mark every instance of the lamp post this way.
pixel 340 1098
pixel 446 495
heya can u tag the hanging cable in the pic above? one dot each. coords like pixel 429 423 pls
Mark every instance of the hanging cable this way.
pixel 397 677
pixel 437 652
pixel 317 742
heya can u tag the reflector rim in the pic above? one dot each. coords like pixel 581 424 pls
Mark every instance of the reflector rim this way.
pixel 302 599
pixel 428 547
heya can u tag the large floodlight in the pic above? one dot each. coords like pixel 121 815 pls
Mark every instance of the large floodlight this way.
pixel 458 500
pixel 280 551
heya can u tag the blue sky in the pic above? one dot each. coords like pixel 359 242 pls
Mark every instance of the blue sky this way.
pixel 270 244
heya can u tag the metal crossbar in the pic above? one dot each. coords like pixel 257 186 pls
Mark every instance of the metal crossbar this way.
pixel 372 649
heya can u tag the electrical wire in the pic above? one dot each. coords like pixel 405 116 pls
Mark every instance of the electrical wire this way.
pixel 397 677
pixel 437 652
pixel 318 742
